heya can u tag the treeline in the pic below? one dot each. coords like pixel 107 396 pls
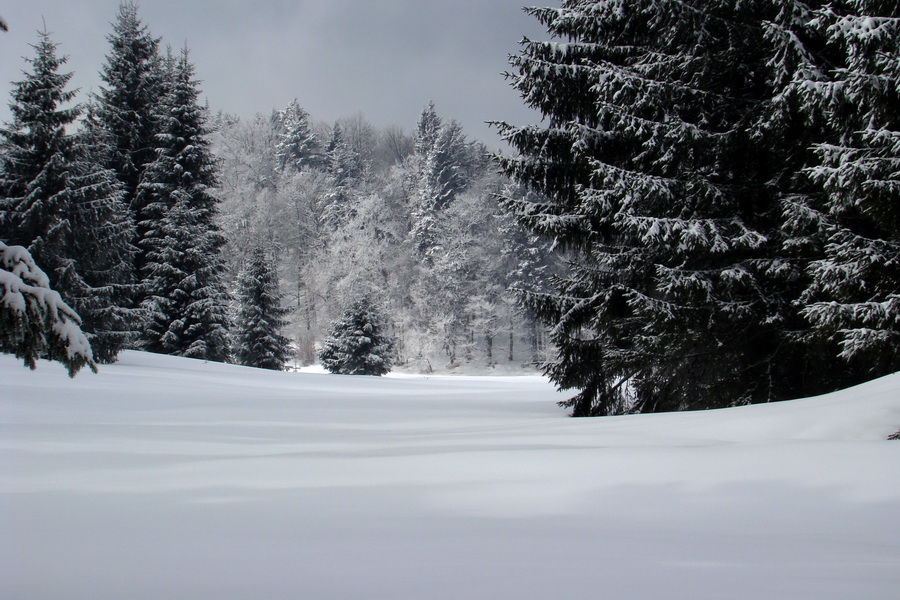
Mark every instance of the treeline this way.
pixel 720 177
pixel 409 221
pixel 219 239
pixel 114 198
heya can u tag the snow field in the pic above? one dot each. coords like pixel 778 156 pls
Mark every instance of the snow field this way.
pixel 172 478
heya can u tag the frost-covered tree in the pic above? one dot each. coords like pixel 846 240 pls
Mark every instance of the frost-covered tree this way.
pixel 853 295
pixel 260 316
pixel 343 166
pixel 66 207
pixel 298 147
pixel 453 312
pixel 186 300
pixel 443 160
pixel 128 105
pixel 358 343
pixel 657 179
pixel 37 156
pixel 34 321
pixel 100 283
pixel 427 129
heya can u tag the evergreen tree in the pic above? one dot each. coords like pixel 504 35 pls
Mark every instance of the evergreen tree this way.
pixel 104 286
pixel 298 146
pixel 340 160
pixel 658 182
pixel 427 129
pixel 186 298
pixel 38 153
pixel 443 157
pixel 67 208
pixel 445 170
pixel 34 321
pixel 357 343
pixel 853 297
pixel 129 107
pixel 343 166
pixel 257 341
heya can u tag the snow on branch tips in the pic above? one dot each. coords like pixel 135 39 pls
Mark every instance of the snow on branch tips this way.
pixel 34 321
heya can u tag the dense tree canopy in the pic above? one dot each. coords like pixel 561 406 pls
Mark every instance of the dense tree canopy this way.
pixel 65 206
pixel 673 148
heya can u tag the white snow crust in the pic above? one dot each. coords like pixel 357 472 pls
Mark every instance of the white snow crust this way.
pixel 172 478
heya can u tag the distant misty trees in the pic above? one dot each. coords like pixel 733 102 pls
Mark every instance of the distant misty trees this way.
pixel 409 220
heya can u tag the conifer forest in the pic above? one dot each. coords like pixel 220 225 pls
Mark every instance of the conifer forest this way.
pixel 706 214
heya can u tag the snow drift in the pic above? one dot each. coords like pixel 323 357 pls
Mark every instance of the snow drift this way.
pixel 173 478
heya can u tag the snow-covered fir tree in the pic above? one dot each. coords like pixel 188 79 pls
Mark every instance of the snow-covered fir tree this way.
pixel 35 323
pixel 343 166
pixel 128 106
pixel 853 296
pixel 443 173
pixel 37 155
pixel 445 164
pixel 66 207
pixel 186 300
pixel 101 282
pixel 358 343
pixel 260 316
pixel 298 147
pixel 427 129
pixel 657 180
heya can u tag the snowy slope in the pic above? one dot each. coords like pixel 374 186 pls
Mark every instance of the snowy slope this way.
pixel 171 478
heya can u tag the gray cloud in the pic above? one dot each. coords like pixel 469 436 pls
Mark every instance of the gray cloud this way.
pixel 338 57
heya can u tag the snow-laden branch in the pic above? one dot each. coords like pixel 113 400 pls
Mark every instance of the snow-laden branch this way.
pixel 34 321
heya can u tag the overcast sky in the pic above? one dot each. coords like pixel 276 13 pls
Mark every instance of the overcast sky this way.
pixel 384 58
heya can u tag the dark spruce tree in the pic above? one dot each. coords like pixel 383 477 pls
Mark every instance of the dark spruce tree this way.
pixel 66 208
pixel 853 296
pixel 357 343
pixel 128 106
pixel 657 171
pixel 186 301
pixel 102 233
pixel 37 157
pixel 260 316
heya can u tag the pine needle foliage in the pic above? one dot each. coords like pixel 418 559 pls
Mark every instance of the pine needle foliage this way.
pixel 358 343
pixel 260 316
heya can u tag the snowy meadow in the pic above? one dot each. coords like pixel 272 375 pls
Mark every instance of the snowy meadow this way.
pixel 165 477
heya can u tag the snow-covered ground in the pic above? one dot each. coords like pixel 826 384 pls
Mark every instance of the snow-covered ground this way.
pixel 165 478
